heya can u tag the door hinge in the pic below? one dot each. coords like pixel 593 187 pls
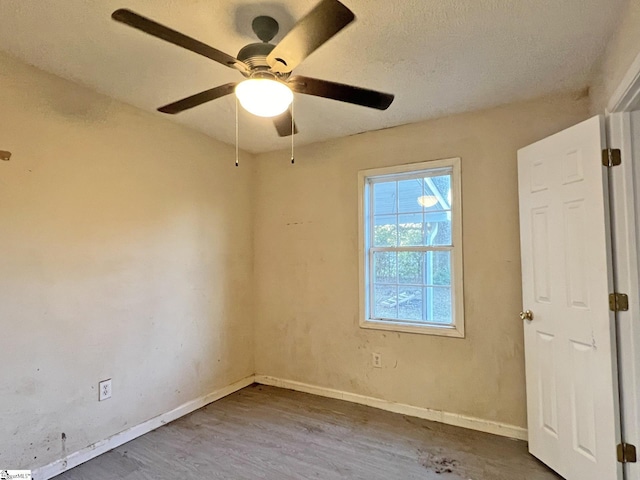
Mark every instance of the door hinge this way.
pixel 618 302
pixel 611 157
pixel 626 453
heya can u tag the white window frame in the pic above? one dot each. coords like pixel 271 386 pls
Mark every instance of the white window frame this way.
pixel 456 329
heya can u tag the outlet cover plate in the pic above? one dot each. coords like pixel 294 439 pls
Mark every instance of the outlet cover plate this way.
pixel 104 389
pixel 376 360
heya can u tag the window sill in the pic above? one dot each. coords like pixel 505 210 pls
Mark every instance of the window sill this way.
pixel 430 329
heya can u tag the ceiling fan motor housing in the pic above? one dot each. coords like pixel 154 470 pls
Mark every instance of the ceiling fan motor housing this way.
pixel 255 55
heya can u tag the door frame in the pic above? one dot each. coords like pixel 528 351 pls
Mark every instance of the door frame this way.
pixel 625 224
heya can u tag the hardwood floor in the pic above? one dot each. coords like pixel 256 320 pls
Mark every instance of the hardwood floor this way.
pixel 270 433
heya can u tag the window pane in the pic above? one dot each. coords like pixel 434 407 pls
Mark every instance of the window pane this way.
pixel 443 234
pixel 410 267
pixel 410 303
pixel 384 267
pixel 438 228
pixel 437 268
pixel 410 230
pixel 443 184
pixel 409 193
pixel 438 304
pixel 385 301
pixel 384 198
pixel 385 231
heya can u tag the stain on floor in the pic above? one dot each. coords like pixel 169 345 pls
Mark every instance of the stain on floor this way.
pixel 439 464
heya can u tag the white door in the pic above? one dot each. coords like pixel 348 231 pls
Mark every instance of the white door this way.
pixel 572 391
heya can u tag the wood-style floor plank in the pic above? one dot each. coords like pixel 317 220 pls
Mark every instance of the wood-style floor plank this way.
pixel 270 433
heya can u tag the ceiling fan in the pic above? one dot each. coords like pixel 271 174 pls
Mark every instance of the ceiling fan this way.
pixel 269 86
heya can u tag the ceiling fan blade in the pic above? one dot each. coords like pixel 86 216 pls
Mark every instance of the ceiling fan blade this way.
pixel 341 92
pixel 198 99
pixel 146 25
pixel 283 124
pixel 314 29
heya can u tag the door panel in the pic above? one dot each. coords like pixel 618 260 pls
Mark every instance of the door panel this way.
pixel 541 267
pixel 572 395
pixel 582 404
pixel 547 384
pixel 575 235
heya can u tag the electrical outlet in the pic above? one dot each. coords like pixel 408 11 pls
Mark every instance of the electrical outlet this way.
pixel 104 387
pixel 376 360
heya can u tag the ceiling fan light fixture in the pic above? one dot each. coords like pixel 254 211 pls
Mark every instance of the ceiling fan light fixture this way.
pixel 264 97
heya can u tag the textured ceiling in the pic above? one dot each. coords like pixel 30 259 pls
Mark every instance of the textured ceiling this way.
pixel 437 56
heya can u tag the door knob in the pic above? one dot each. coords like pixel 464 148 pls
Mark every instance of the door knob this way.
pixel 526 315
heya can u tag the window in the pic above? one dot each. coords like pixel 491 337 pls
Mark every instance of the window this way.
pixel 411 240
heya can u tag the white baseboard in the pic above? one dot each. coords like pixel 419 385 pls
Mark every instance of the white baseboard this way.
pixel 76 458
pixel 472 423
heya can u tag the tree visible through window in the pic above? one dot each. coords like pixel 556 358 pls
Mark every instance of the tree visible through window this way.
pixel 409 229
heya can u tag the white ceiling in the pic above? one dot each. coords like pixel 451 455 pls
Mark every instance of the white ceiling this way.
pixel 437 56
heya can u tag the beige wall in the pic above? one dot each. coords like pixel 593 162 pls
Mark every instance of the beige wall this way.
pixel 306 244
pixel 126 252
pixel 620 53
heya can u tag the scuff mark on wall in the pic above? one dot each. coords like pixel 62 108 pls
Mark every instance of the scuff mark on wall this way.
pixel 297 223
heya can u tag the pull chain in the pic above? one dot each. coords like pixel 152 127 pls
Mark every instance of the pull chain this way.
pixel 236 131
pixel 293 131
